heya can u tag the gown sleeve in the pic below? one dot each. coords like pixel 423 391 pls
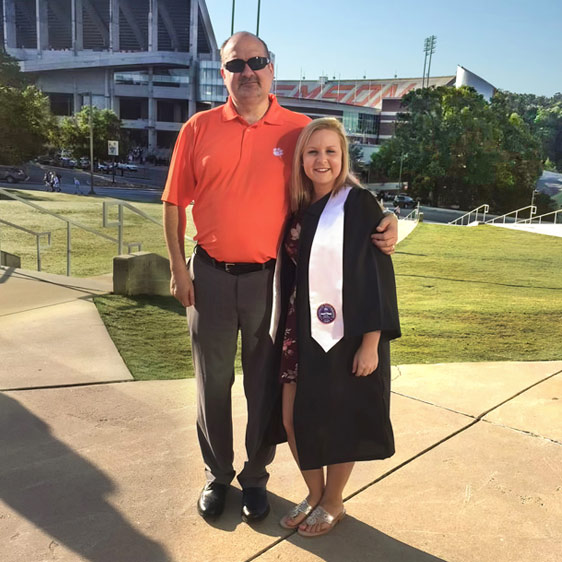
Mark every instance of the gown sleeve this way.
pixel 369 288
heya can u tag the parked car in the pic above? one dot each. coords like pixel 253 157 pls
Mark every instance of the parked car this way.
pixel 127 166
pixel 66 162
pixel 46 160
pixel 12 174
pixel 405 201
pixel 104 167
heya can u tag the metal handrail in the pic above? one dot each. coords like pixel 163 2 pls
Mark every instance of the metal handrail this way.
pixel 70 223
pixel 134 209
pixel 533 210
pixel 38 236
pixel 460 220
pixel 119 222
pixel 540 217
pixel 413 214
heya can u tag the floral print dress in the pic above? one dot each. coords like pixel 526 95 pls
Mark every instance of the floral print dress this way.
pixel 289 355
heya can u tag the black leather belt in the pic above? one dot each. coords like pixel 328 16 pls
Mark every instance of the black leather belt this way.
pixel 233 268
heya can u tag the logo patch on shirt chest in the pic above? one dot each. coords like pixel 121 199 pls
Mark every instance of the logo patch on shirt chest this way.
pixel 277 151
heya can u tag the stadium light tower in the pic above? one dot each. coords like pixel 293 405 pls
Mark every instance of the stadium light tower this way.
pixel 429 49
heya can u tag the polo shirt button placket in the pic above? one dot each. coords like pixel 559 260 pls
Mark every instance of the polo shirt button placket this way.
pixel 247 144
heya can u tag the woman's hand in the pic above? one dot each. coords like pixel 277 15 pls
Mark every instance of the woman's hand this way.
pixel 366 358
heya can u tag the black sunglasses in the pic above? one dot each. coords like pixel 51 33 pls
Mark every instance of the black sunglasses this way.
pixel 255 63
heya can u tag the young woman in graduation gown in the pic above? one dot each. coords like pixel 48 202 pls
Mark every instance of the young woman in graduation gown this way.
pixel 335 366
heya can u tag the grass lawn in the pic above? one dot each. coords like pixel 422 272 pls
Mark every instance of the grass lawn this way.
pixel 478 294
pixel 150 333
pixel 90 254
pixel 465 294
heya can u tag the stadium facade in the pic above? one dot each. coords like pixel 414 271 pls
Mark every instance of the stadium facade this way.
pixel 156 63
pixel 368 107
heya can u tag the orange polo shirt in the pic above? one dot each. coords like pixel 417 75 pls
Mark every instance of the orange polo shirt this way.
pixel 237 176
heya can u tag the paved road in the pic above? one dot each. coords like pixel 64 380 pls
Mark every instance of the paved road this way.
pixel 550 183
pixel 433 214
pixel 147 186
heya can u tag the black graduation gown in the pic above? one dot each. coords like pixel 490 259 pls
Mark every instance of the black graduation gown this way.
pixel 339 417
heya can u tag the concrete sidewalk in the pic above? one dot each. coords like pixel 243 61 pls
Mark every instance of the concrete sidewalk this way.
pixel 96 467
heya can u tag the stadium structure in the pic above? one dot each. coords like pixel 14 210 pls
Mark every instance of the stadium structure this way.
pixel 156 63
pixel 367 107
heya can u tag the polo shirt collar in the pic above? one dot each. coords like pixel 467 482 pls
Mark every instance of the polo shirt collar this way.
pixel 272 116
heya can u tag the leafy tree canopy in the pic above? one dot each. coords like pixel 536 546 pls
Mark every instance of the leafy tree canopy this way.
pixel 457 149
pixel 26 122
pixel 10 73
pixel 544 117
pixel 75 132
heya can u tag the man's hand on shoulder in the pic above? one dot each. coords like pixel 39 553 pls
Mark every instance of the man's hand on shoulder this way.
pixel 386 237
pixel 181 286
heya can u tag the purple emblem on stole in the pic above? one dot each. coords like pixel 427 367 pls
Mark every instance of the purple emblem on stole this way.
pixel 326 313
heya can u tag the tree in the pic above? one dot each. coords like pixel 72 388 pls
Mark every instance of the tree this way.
pixel 26 122
pixel 456 149
pixel 549 129
pixel 75 132
pixel 10 73
pixel 355 155
pixel 543 115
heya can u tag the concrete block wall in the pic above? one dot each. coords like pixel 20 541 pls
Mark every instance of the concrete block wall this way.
pixel 9 260
pixel 141 273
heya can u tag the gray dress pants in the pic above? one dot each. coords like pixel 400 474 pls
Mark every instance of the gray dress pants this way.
pixel 224 305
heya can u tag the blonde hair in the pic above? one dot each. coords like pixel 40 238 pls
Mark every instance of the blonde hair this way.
pixel 302 189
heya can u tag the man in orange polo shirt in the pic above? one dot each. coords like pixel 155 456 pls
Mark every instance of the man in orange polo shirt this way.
pixel 234 163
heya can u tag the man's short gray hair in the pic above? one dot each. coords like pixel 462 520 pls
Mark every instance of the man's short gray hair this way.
pixel 244 34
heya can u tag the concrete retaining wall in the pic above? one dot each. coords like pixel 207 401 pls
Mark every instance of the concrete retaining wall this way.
pixel 141 273
pixel 10 260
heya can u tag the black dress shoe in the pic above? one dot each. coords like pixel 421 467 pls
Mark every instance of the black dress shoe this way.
pixel 211 500
pixel 254 504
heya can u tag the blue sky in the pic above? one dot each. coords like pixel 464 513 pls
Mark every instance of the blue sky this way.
pixel 515 45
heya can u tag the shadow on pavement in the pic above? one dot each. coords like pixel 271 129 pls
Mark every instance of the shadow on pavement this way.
pixel 64 494
pixel 355 541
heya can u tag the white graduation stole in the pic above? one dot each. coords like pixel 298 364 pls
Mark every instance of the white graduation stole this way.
pixel 325 273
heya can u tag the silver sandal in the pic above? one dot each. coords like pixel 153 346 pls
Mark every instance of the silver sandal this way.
pixel 320 515
pixel 304 507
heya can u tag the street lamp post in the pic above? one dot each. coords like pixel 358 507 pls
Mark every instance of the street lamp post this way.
pixel 400 173
pixel 91 192
pixel 258 24
pixel 232 20
pixel 533 208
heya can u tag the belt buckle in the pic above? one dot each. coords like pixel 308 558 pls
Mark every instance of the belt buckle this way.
pixel 227 266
